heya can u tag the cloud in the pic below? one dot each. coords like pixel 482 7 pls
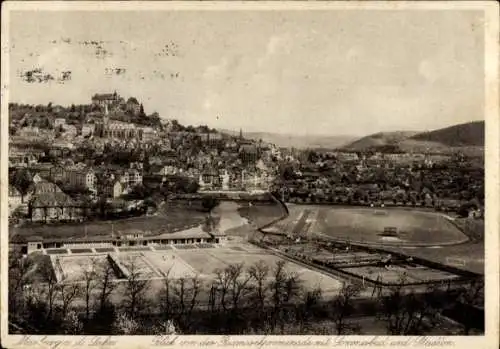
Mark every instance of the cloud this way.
pixel 217 70
pixel 354 53
pixel 277 45
pixel 427 71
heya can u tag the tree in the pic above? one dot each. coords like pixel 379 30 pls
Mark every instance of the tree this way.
pixel 209 203
pixel 126 325
pixel 285 287
pixel 222 283
pixel 210 223
pixel 238 285
pixel 469 295
pixel 342 307
pixel 105 285
pixel 406 312
pixel 51 291
pixel 259 273
pixel 309 307
pixel 68 293
pixel 166 297
pixel 89 273
pixel 142 114
pixel 71 324
pixel 22 180
pixel 20 271
pixel 186 291
pixel 135 289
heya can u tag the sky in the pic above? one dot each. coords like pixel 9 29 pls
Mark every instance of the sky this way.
pixel 335 72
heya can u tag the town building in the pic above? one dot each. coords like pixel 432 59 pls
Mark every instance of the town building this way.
pixel 194 235
pixel 133 106
pixel 114 189
pixel 29 132
pixel 59 122
pixel 88 130
pixel 53 207
pixel 84 178
pixel 130 177
pixel 106 99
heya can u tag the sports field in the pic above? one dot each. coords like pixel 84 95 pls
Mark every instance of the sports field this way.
pixel 170 265
pixel 208 261
pixel 395 274
pixel 368 225
pixel 73 268
pixel 187 263
pixel 136 263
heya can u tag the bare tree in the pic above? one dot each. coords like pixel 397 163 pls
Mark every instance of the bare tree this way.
pixel 136 286
pixel 20 269
pixel 277 284
pixel 222 283
pixel 89 273
pixel 470 295
pixel 180 291
pixel 285 288
pixel 405 311
pixel 238 284
pixel 259 273
pixel 310 303
pixel 71 323
pixel 342 307
pixel 126 325
pixel 166 296
pixel 194 287
pixel 68 293
pixel 105 284
pixel 50 290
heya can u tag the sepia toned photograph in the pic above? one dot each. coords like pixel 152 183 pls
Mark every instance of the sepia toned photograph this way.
pixel 246 170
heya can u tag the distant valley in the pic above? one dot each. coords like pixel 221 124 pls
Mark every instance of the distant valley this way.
pixel 297 141
pixel 467 138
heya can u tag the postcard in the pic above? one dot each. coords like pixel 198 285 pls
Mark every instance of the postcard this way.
pixel 250 174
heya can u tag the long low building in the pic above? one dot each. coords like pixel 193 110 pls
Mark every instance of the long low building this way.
pixel 190 236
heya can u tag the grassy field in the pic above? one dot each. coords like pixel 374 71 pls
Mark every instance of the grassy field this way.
pixel 367 225
pixel 171 219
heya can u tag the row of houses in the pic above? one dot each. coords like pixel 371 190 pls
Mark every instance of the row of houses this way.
pixel 86 177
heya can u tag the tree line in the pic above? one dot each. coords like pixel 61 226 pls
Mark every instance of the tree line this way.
pixel 253 299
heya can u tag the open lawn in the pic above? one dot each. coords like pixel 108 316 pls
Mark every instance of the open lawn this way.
pixel 171 220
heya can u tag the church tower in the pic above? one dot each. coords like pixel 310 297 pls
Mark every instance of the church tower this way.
pixel 241 134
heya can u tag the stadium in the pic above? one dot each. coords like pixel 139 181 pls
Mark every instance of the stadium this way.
pixel 371 226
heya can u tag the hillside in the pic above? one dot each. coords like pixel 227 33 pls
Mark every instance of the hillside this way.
pixel 467 138
pixel 380 139
pixel 297 141
pixel 469 134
